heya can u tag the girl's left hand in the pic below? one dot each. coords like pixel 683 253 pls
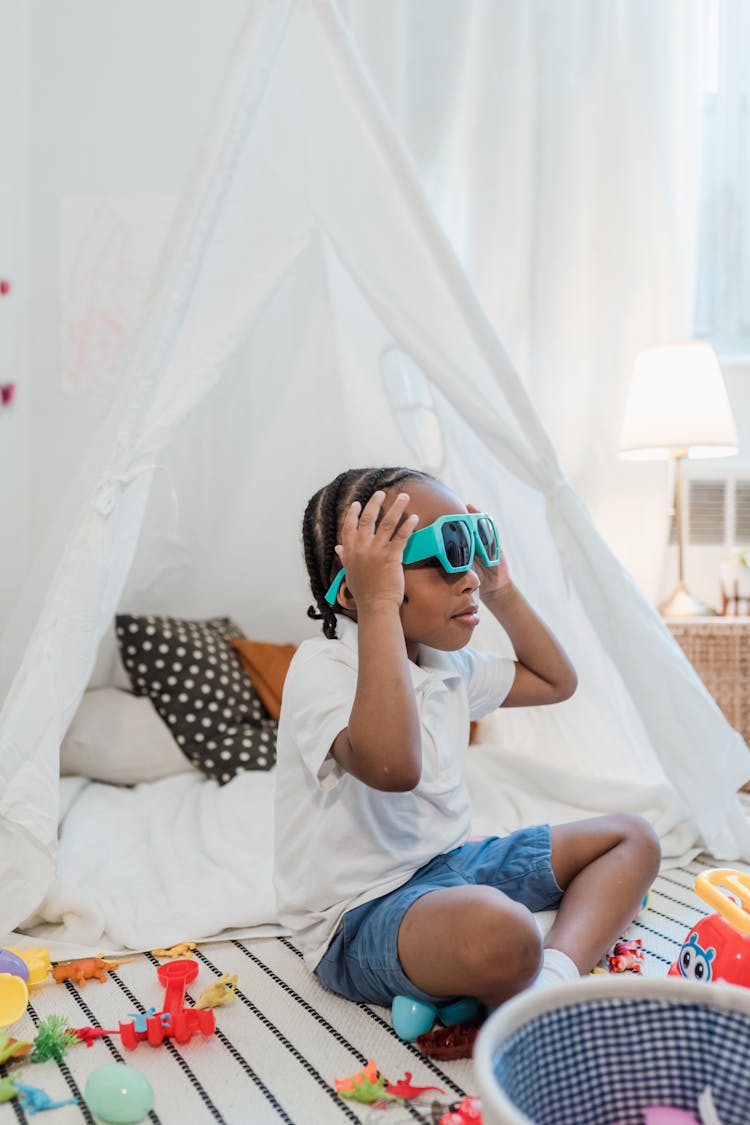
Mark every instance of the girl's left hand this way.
pixel 491 578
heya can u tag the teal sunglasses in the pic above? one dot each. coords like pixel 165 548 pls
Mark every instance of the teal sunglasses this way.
pixel 452 540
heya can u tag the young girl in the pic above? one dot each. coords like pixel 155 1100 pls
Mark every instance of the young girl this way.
pixel 374 869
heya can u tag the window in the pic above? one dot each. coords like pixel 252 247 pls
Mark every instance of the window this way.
pixel 722 312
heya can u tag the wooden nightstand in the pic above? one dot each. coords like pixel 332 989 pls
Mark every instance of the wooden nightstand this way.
pixel 719 650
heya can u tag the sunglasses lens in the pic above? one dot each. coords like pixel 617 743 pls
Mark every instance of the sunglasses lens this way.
pixel 457 543
pixel 488 539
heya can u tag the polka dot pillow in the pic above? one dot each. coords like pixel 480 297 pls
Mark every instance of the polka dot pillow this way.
pixel 194 679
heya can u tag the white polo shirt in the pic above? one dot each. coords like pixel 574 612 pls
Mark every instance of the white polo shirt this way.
pixel 339 842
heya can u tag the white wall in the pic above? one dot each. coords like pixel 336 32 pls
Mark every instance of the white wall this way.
pixel 14 503
pixel 702 563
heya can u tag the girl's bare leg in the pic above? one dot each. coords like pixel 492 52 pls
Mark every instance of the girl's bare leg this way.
pixel 475 941
pixel 469 941
pixel 605 865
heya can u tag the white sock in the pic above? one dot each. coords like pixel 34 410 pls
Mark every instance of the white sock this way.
pixel 557 968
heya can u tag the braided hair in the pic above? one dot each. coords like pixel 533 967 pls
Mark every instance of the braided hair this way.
pixel 323 517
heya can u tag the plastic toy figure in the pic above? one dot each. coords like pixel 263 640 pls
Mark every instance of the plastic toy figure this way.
pixel 85 969
pixel 467 1112
pixel 8 1089
pixel 220 992
pixel 35 1100
pixel 87 1035
pixel 626 956
pixel 404 1089
pixel 175 1021
pixel 365 1086
pixel 718 947
pixel 183 949
pixel 456 1042
pixel 11 1048
pixel 53 1039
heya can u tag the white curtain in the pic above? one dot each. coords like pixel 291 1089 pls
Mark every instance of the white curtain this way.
pixel 560 147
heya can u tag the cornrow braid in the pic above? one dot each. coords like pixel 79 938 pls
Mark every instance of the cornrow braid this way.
pixel 322 520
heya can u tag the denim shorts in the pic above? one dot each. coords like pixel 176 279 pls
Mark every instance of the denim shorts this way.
pixel 362 961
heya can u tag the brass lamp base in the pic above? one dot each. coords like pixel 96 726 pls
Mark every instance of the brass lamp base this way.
pixel 681 603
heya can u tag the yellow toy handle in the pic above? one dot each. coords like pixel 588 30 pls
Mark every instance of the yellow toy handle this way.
pixel 707 885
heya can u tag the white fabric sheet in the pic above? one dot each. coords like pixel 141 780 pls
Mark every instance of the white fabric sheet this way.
pixel 180 859
pixel 185 859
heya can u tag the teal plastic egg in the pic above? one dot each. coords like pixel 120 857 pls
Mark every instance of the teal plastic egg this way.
pixel 116 1093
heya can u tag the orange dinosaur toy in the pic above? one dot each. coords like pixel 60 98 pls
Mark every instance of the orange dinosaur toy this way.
pixel 85 969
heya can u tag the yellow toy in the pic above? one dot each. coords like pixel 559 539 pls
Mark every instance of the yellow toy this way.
pixel 184 949
pixel 220 992
pixel 37 962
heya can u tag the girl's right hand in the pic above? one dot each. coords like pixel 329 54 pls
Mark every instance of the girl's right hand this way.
pixel 372 548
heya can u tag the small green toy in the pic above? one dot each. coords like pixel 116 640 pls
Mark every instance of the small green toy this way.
pixel 53 1039
pixel 8 1089
pixel 10 1047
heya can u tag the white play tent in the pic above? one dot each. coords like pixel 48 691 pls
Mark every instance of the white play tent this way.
pixel 308 315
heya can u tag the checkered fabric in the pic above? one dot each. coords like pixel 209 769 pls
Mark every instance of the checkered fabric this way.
pixel 605 1060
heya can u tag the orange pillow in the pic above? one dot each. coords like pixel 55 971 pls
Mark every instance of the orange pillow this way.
pixel 266 665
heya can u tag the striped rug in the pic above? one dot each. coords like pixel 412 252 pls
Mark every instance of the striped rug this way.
pixel 280 1043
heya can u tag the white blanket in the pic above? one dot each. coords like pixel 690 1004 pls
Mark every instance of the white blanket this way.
pixel 167 861
pixel 184 859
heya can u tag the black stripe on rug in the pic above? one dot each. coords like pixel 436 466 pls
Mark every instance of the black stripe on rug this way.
pixel 174 1053
pixel 278 1034
pixel 378 1019
pixel 412 1110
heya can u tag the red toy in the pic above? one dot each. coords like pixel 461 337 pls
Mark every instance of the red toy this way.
pixel 455 1042
pixel 467 1112
pixel 174 1021
pixel 404 1089
pixel 626 956
pixel 718 947
pixel 87 1035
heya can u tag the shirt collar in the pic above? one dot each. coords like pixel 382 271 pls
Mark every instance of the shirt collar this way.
pixel 433 664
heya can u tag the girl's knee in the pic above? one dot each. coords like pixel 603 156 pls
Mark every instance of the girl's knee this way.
pixel 638 829
pixel 507 949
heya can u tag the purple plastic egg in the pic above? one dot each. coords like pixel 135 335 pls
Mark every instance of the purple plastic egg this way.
pixel 13 964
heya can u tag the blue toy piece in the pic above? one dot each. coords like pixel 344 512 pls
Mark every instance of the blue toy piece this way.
pixel 413 1017
pixel 35 1100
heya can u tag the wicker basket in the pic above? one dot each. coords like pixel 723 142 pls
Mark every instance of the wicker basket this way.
pixel 605 1049
pixel 719 650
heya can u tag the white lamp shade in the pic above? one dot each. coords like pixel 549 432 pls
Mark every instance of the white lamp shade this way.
pixel 678 405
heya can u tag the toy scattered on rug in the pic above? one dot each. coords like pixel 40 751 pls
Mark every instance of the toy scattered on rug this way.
pixel 12 1048
pixel 86 968
pixel 33 1100
pixel 220 992
pixel 467 1112
pixel 174 1021
pixel 456 1042
pixel 87 1035
pixel 371 1087
pixel 626 956
pixel 411 1017
pixel 14 989
pixel 36 960
pixel 53 1038
pixel 718 947
pixel 8 1089
pixel 182 949
pixel 119 1093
